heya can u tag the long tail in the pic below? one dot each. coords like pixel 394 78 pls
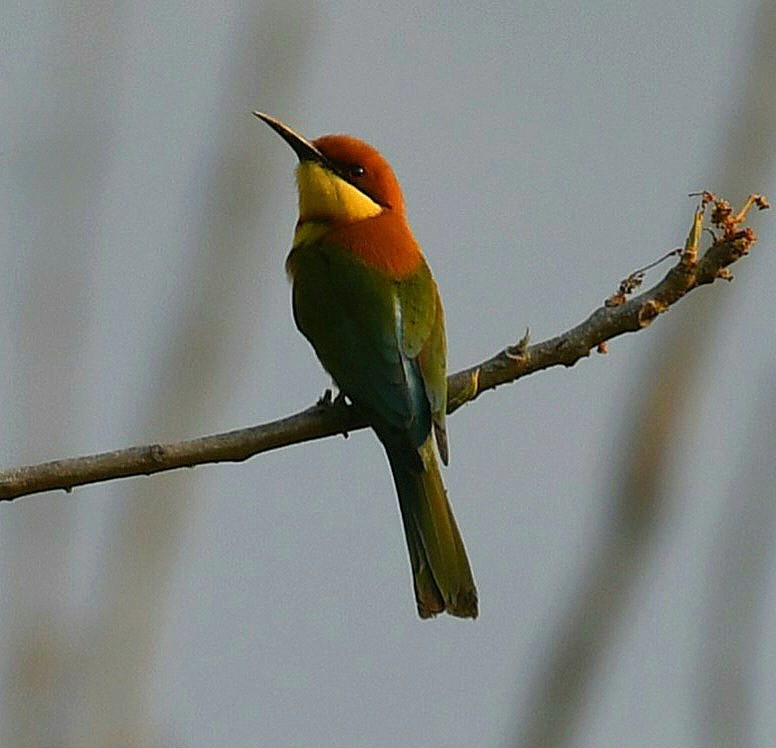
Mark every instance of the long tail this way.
pixel 440 569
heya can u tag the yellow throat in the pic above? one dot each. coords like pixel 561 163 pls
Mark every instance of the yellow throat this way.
pixel 324 196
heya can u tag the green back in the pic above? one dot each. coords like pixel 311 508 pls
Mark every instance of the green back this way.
pixel 382 340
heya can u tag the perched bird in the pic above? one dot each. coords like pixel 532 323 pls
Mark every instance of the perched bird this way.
pixel 363 295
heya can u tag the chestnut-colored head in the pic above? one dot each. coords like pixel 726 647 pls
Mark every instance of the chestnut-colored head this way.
pixel 362 166
pixel 340 178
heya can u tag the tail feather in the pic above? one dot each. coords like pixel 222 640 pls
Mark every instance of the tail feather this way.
pixel 441 573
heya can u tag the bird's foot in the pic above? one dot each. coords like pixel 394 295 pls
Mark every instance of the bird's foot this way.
pixel 329 400
pixel 325 399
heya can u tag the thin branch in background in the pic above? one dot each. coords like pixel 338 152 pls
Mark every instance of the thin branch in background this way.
pixel 638 498
pixel 225 210
pixel 617 316
pixel 584 634
pixel 738 571
pixel 57 149
pixel 730 647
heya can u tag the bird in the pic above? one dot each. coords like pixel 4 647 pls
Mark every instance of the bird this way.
pixel 364 297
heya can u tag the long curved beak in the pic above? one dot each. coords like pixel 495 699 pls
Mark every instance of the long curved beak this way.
pixel 303 148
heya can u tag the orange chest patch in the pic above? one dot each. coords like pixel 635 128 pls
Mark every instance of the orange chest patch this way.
pixel 384 243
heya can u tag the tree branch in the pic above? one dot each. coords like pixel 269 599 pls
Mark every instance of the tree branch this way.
pixel 617 316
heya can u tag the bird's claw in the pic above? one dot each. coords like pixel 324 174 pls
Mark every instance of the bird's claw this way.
pixel 329 400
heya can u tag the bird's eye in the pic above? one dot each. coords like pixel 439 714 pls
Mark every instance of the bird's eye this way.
pixel 356 170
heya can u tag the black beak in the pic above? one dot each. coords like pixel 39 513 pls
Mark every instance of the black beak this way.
pixel 303 148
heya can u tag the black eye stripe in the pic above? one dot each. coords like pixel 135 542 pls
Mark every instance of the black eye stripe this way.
pixel 352 173
pixel 349 172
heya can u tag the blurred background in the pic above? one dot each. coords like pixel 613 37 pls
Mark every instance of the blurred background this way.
pixel 619 515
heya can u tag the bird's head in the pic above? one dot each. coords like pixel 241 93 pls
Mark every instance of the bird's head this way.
pixel 340 178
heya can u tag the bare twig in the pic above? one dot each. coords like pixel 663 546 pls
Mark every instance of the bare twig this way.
pixel 617 316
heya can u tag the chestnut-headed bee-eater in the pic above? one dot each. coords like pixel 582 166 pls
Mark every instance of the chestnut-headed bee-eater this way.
pixel 363 295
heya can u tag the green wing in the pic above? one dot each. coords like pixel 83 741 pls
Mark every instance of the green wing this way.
pixel 382 340
pixel 423 327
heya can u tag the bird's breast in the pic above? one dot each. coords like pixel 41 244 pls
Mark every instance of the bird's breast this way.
pixel 383 243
